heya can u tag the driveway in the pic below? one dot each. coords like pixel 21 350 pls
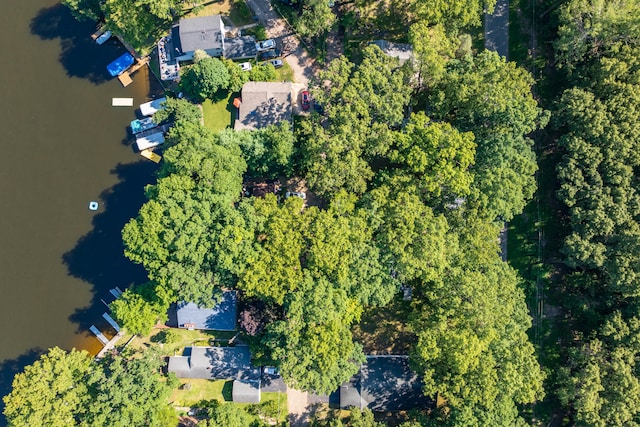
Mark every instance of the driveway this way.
pixel 304 67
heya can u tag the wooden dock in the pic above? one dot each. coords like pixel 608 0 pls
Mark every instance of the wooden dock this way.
pixel 98 334
pixel 125 77
pixel 109 345
pixel 149 154
pixel 98 33
pixel 112 322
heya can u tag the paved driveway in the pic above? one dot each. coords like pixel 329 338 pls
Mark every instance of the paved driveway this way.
pixel 304 67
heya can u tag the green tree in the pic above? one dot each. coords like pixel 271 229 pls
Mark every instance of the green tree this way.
pixel 316 18
pixel 237 76
pixel 178 110
pixel 129 391
pixel 492 98
pixel 139 308
pixel 471 324
pixel 453 14
pixel 263 72
pixel 204 78
pixel 589 29
pixel 84 9
pixel 228 415
pixel 51 392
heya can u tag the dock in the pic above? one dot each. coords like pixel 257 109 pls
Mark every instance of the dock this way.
pixel 149 154
pixel 99 335
pixel 109 345
pixel 116 292
pixel 122 102
pixel 125 77
pixel 111 321
pixel 100 31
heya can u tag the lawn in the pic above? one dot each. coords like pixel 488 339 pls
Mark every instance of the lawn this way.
pixel 192 391
pixel 383 330
pixel 182 338
pixel 217 114
pixel 284 73
pixel 236 10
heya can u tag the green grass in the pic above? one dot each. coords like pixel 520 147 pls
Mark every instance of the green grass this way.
pixel 284 73
pixel 218 114
pixel 199 389
pixel 221 391
pixel 185 338
pixel 236 10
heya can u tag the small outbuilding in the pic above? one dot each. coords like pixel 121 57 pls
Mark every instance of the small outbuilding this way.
pixel 402 51
pixel 222 317
pixel 246 391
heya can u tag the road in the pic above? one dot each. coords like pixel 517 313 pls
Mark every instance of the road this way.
pixel 304 67
pixel 496 29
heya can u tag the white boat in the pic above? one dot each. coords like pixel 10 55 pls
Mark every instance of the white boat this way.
pixel 149 141
pixel 103 37
pixel 152 107
pixel 93 206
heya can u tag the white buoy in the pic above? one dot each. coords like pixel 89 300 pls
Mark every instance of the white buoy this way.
pixel 93 206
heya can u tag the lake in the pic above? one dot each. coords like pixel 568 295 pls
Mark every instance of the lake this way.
pixel 63 145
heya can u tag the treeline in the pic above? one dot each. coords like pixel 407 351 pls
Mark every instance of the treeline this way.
pixel 598 48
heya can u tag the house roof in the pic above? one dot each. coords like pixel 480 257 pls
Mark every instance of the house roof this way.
pixel 246 391
pixel 240 47
pixel 222 317
pixel 402 51
pixel 221 363
pixel 384 383
pixel 199 33
pixel 263 104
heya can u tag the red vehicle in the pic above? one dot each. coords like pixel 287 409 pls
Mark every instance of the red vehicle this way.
pixel 306 100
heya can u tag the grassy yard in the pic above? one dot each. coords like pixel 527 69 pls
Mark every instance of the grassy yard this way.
pixel 284 73
pixel 236 10
pixel 383 330
pixel 218 114
pixel 182 338
pixel 193 391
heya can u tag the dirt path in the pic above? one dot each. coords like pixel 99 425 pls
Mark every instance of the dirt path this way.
pixel 304 67
pixel 298 412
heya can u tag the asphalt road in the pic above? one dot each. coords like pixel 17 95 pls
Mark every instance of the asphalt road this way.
pixel 496 29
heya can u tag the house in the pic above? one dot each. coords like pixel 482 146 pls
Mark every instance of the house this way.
pixel 222 317
pixel 263 104
pixel 246 391
pixel 240 48
pixel 402 51
pixel 207 33
pixel 384 383
pixel 214 363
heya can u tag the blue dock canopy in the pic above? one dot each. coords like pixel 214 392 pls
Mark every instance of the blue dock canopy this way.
pixel 123 62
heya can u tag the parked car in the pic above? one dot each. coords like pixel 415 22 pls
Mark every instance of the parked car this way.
pixel 265 45
pixel 277 63
pixel 269 370
pixel 305 100
pixel 268 55
pixel 300 194
pixel 246 66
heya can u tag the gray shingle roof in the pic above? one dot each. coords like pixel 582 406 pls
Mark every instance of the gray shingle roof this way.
pixel 200 33
pixel 384 383
pixel 240 47
pixel 246 391
pixel 263 104
pixel 402 51
pixel 214 363
pixel 222 317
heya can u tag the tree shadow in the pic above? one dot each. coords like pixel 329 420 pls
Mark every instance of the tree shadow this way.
pixel 80 55
pixel 9 368
pixel 98 257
